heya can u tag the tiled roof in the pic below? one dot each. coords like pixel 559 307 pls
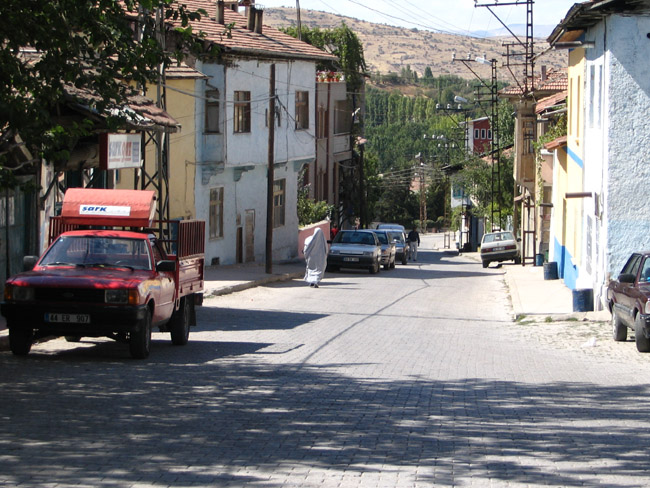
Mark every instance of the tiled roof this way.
pixel 556 80
pixel 552 101
pixel 140 112
pixel 240 40
pixel 183 72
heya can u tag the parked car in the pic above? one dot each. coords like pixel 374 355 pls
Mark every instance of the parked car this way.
pixel 397 227
pixel 628 298
pixel 499 246
pixel 388 248
pixel 355 249
pixel 401 246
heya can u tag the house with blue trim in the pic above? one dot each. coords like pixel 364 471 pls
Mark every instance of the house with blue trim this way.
pixel 600 214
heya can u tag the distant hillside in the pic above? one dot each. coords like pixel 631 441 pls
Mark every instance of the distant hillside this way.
pixel 389 49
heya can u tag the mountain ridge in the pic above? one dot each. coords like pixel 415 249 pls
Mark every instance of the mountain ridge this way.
pixel 389 49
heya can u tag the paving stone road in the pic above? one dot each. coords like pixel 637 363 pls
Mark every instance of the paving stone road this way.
pixel 416 377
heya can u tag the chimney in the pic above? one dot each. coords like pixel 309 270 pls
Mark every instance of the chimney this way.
pixel 543 72
pixel 251 18
pixel 220 12
pixel 259 17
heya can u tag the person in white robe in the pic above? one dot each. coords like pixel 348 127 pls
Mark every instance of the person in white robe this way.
pixel 315 251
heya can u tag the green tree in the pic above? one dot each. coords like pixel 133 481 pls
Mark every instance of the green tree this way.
pixel 341 42
pixel 89 45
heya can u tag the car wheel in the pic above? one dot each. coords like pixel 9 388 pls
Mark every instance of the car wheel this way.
pixel 374 269
pixel 179 326
pixel 619 330
pixel 387 265
pixel 486 264
pixel 642 342
pixel 392 263
pixel 404 259
pixel 518 260
pixel 140 340
pixel 20 340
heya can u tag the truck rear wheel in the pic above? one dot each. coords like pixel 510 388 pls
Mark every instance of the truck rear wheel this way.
pixel 20 340
pixel 140 340
pixel 179 326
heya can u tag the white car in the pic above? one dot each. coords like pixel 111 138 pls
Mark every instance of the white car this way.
pixel 499 246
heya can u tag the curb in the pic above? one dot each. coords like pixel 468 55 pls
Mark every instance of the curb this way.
pixel 215 292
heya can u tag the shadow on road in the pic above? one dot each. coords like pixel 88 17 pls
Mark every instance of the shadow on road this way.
pixel 146 422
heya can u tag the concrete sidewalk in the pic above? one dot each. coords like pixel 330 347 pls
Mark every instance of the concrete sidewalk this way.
pixel 533 295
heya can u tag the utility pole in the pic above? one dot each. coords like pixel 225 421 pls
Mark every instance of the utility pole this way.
pixel 270 174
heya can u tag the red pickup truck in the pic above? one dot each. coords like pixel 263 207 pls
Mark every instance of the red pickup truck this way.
pixel 110 271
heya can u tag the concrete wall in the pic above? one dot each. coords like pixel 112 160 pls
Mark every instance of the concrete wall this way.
pixel 627 119
pixel 567 216
pixel 237 162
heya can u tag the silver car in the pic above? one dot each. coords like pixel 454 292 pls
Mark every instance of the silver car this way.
pixel 401 246
pixel 388 248
pixel 355 249
pixel 499 246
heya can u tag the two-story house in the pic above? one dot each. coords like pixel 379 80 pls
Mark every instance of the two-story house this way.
pixel 600 215
pixel 233 147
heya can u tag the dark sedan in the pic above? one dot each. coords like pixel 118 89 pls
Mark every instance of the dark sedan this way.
pixel 355 249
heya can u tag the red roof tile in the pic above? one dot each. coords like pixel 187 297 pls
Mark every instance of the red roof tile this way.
pixel 556 80
pixel 240 40
pixel 548 102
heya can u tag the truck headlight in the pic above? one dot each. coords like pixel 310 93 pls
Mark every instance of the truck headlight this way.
pixel 122 297
pixel 116 296
pixel 19 293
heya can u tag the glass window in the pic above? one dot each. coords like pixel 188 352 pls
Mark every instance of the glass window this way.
pixel 212 111
pixel 242 115
pixel 302 110
pixel 632 265
pixel 343 117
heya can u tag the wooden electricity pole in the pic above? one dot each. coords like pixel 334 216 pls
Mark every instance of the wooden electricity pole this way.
pixel 270 174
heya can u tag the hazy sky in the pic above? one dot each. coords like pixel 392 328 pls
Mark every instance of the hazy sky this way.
pixel 458 16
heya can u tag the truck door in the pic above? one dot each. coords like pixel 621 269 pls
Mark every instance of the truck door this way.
pixel 166 301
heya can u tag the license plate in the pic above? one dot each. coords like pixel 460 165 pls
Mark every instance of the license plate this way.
pixel 351 260
pixel 67 318
pixel 499 248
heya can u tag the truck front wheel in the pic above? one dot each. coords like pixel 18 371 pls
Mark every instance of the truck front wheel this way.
pixel 20 340
pixel 140 340
pixel 179 326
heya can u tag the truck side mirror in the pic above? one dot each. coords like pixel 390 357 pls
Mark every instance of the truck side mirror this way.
pixel 29 262
pixel 166 265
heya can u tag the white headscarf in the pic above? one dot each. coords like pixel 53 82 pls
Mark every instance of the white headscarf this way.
pixel 315 251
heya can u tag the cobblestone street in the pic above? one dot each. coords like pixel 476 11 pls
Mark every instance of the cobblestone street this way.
pixel 416 377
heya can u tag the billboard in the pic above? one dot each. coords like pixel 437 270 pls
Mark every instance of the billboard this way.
pixel 119 151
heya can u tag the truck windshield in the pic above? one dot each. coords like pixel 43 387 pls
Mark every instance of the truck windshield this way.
pixel 89 251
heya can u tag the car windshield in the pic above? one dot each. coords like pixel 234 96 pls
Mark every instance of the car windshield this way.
pixel 396 236
pixel 382 237
pixel 498 236
pixel 96 251
pixel 354 238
